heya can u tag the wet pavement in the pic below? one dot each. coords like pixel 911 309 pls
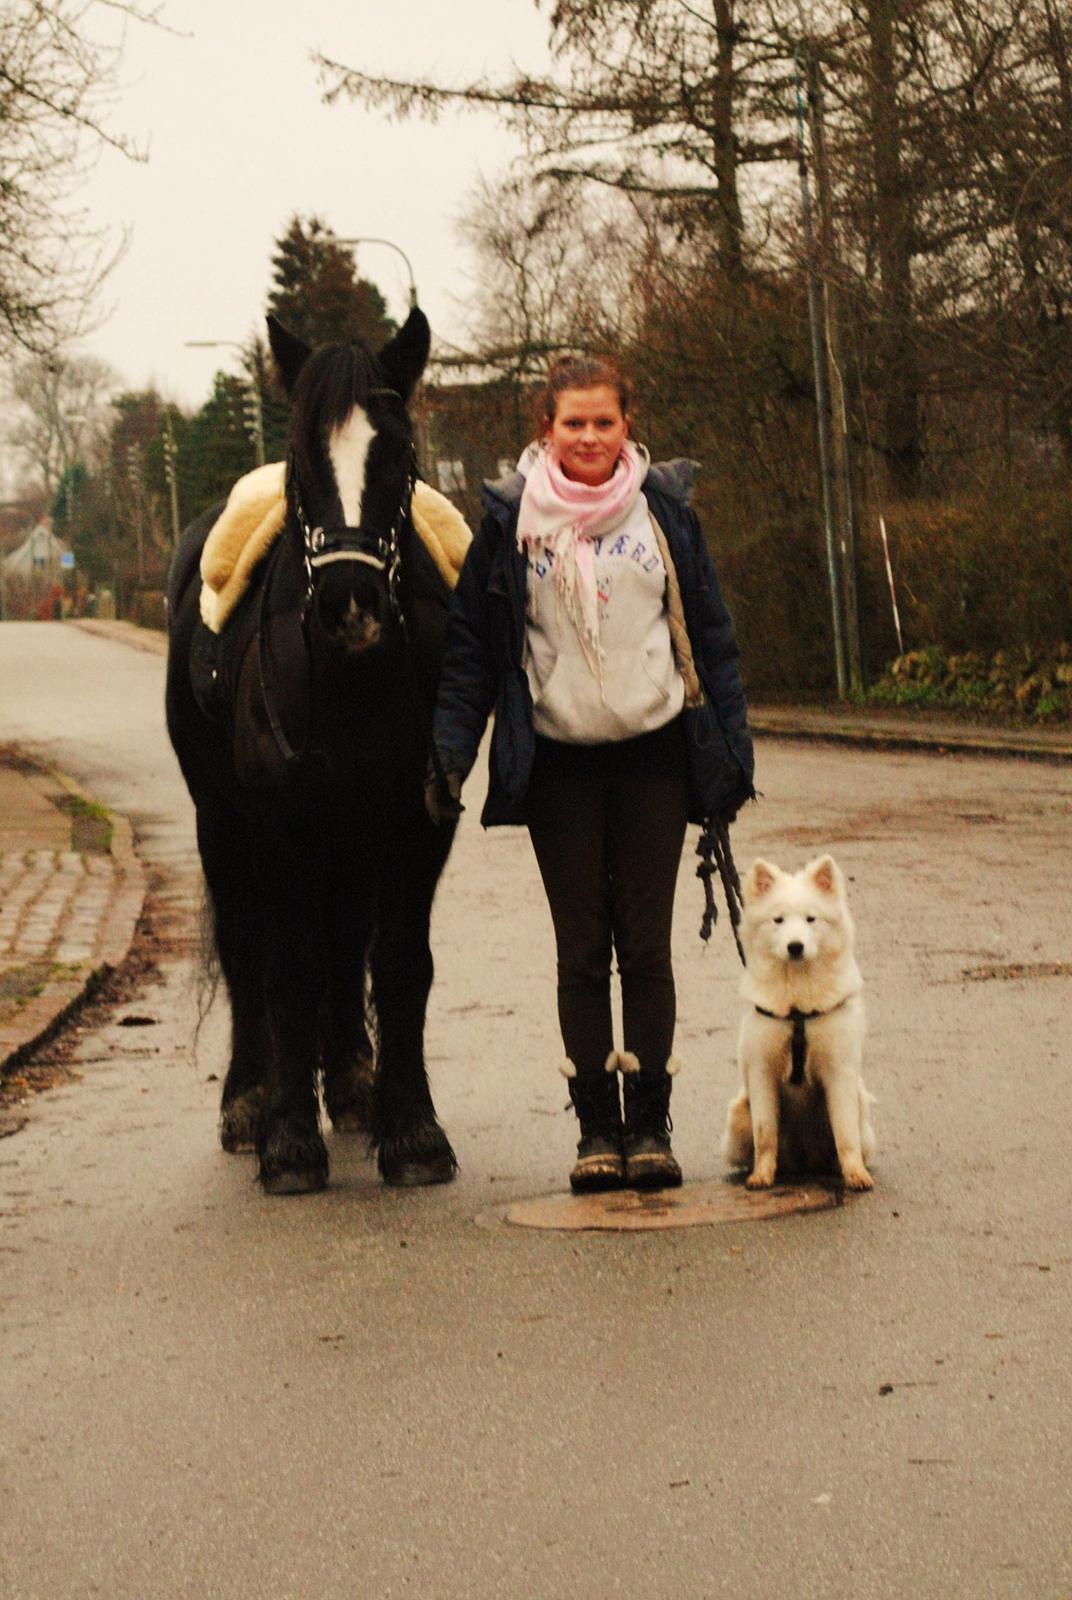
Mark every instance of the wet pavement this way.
pixel 210 1393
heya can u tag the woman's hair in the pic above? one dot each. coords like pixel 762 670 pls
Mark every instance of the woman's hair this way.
pixel 581 372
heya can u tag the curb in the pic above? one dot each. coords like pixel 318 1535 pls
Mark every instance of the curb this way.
pixel 933 741
pixel 61 997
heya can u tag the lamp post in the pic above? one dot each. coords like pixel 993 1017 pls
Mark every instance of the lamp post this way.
pixel 252 409
pixel 389 244
pixel 420 409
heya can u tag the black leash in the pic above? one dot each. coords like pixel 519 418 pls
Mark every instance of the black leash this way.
pixel 716 856
pixel 423 717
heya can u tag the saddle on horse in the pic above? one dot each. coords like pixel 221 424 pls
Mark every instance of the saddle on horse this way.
pixel 253 517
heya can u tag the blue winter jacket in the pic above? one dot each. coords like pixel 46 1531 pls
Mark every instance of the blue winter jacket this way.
pixel 484 664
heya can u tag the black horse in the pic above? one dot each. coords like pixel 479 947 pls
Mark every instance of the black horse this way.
pixel 302 733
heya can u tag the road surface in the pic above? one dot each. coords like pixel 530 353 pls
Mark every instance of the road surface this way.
pixel 209 1393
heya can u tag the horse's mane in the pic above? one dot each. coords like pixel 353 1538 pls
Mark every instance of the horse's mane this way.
pixel 330 384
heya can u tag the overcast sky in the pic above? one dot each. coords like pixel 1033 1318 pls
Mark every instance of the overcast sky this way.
pixel 239 139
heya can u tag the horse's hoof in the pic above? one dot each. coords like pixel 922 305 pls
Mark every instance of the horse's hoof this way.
pixel 415 1174
pixel 348 1098
pixel 238 1122
pixel 293 1163
pixel 309 1182
pixel 421 1156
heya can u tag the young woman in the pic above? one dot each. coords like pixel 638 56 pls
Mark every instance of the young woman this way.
pixel 589 618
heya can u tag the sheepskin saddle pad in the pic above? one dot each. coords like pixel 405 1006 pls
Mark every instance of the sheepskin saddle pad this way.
pixel 253 516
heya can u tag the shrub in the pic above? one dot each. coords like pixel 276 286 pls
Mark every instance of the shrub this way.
pixel 1021 682
pixel 984 580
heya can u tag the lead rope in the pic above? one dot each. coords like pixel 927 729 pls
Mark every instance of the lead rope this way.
pixel 716 856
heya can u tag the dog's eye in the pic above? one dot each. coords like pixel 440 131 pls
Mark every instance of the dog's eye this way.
pixel 809 919
pixel 778 920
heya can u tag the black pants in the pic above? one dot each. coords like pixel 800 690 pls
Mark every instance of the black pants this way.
pixel 608 824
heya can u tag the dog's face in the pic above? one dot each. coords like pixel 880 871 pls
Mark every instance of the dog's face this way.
pixel 799 917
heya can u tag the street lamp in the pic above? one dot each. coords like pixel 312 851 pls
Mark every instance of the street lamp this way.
pixel 421 409
pixel 351 244
pixel 252 409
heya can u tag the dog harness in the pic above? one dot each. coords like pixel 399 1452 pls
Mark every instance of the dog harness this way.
pixel 799 1043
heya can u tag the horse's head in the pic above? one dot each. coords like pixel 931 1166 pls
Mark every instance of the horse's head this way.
pixel 350 474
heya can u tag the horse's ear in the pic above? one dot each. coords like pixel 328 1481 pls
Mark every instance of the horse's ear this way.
pixel 403 359
pixel 290 353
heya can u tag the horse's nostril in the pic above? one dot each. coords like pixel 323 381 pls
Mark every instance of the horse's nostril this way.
pixel 795 950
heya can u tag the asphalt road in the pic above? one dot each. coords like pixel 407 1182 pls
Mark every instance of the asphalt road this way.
pixel 205 1392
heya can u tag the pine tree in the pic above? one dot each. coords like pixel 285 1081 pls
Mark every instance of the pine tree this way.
pixel 316 293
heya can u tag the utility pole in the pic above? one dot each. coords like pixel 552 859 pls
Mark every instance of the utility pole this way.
pixel 171 457
pixel 822 392
pixel 841 464
pixel 253 412
pixel 135 479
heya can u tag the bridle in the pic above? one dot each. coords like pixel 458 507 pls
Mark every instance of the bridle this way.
pixel 374 547
pixel 321 546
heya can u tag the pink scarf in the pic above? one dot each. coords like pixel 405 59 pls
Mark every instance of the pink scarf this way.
pixel 560 517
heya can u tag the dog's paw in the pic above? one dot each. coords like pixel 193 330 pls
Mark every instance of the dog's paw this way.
pixel 759 1178
pixel 857 1177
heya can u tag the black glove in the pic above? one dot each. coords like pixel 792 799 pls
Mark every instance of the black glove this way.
pixel 442 796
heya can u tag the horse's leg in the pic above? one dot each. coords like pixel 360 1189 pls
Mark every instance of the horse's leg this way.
pixel 292 1156
pixel 347 1058
pixel 411 1146
pixel 237 927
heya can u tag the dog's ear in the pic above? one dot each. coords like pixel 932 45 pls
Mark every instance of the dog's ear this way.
pixel 759 880
pixel 825 875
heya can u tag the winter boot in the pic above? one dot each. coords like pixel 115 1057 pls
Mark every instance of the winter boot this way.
pixel 649 1160
pixel 599 1154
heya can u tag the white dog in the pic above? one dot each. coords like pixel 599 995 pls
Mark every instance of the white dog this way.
pixel 803 1106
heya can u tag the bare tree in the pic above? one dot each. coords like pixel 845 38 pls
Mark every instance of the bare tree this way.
pixel 61 412
pixel 657 98
pixel 58 89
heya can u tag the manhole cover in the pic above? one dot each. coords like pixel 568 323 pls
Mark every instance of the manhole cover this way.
pixel 694 1205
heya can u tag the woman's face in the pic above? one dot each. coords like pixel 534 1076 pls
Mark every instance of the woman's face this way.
pixel 587 433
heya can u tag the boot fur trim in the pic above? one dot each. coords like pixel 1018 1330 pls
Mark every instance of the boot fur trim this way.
pixel 567 1069
pixel 674 1066
pixel 628 1062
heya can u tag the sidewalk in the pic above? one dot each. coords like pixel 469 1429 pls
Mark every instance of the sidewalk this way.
pixel 71 892
pixel 884 727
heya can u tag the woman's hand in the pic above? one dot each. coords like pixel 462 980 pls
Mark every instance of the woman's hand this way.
pixel 442 796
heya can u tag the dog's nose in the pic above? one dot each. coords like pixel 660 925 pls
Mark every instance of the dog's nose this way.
pixel 795 950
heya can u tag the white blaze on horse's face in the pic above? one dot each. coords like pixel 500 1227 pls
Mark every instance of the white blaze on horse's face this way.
pixel 348 448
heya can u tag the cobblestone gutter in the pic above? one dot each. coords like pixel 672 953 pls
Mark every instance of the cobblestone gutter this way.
pixel 71 892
